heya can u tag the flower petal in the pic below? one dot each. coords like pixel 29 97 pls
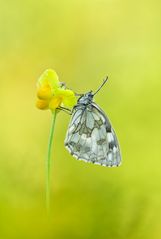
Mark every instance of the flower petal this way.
pixel 44 92
pixel 55 102
pixel 69 101
pixel 49 77
pixel 42 104
pixel 68 97
pixel 63 92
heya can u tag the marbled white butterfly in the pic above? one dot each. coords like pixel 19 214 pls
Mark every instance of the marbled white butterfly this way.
pixel 90 136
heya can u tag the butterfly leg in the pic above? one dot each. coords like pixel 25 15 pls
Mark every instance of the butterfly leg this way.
pixel 66 110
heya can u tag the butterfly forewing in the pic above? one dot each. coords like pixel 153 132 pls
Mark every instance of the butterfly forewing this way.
pixel 91 138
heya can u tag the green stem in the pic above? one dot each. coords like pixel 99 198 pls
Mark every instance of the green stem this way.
pixel 48 162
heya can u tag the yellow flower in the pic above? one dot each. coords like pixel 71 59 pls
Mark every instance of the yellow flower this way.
pixel 49 77
pixel 50 93
pixel 42 104
pixel 44 92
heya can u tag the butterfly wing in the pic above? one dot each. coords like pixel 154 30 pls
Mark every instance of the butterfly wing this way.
pixel 91 138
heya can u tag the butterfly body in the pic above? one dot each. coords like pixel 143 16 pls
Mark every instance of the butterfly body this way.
pixel 90 136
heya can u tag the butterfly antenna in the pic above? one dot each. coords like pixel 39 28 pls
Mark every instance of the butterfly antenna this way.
pixel 104 81
pixel 77 94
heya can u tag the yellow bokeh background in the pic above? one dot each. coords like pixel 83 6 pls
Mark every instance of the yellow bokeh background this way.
pixel 83 41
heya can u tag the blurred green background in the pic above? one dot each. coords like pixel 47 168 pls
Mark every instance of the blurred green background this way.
pixel 83 41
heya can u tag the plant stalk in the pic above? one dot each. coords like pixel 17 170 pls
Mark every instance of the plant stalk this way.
pixel 49 162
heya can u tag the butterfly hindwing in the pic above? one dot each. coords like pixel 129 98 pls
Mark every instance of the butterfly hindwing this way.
pixel 91 138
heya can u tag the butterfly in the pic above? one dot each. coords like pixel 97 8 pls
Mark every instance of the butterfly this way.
pixel 90 136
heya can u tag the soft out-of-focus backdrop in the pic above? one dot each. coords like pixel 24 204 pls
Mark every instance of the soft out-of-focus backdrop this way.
pixel 83 41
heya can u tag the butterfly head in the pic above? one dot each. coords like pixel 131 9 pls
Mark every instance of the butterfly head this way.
pixel 86 98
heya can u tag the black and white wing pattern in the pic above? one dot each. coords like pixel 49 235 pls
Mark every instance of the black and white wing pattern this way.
pixel 91 138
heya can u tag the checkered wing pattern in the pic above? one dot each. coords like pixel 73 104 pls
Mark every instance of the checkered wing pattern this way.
pixel 91 138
